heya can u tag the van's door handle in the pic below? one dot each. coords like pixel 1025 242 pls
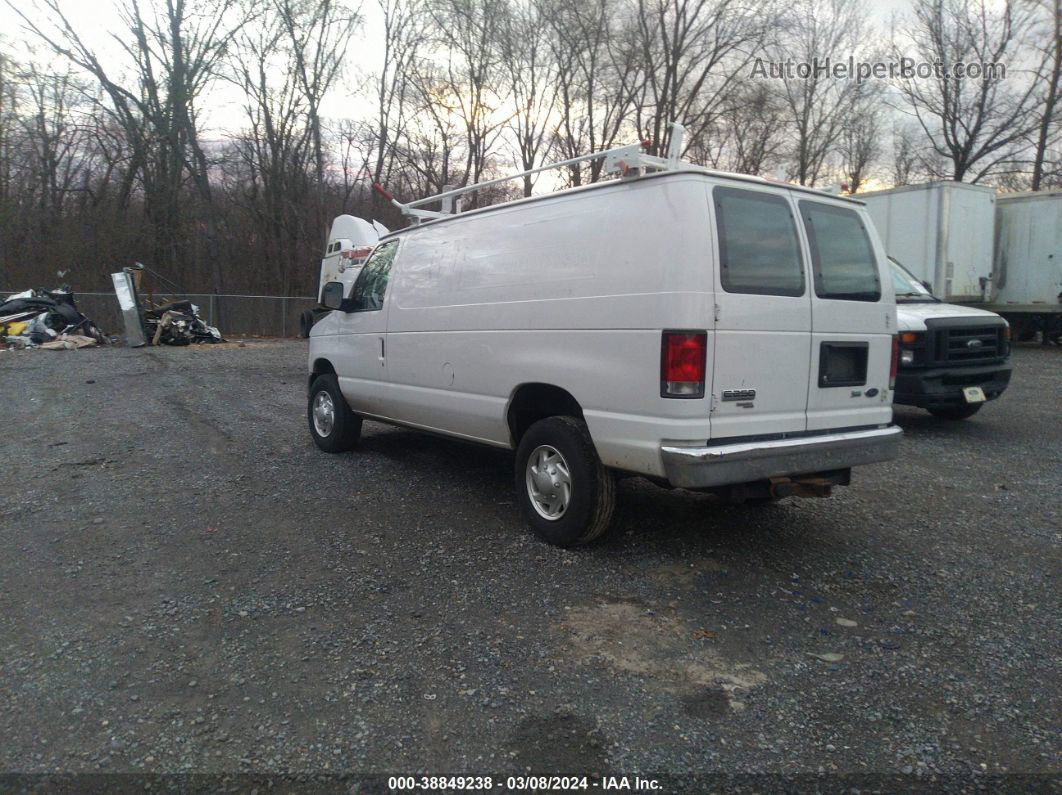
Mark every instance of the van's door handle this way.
pixel 381 350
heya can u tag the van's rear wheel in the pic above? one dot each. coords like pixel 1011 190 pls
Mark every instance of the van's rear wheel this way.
pixel 956 412
pixel 566 492
pixel 334 427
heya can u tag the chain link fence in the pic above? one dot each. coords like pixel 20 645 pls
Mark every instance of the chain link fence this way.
pixel 233 315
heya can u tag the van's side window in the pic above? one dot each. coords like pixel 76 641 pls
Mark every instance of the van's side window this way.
pixel 841 255
pixel 368 291
pixel 758 248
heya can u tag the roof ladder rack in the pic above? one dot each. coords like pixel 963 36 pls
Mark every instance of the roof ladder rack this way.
pixel 625 161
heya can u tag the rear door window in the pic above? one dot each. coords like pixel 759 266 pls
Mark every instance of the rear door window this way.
pixel 758 247
pixel 842 258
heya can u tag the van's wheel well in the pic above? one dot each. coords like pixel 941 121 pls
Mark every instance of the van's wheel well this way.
pixel 320 367
pixel 533 402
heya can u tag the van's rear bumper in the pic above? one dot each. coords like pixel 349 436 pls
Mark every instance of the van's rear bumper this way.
pixel 705 465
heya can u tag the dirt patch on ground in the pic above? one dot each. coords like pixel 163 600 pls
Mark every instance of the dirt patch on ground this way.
pixel 684 572
pixel 632 639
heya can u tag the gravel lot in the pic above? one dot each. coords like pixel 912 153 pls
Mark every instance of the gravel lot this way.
pixel 188 584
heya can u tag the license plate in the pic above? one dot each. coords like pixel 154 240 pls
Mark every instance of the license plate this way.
pixel 973 394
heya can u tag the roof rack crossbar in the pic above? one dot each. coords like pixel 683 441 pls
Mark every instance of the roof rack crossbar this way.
pixel 623 160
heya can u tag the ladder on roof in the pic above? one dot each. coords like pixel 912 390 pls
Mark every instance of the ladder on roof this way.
pixel 624 161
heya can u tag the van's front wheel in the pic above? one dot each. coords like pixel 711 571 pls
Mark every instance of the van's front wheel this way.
pixel 334 427
pixel 566 492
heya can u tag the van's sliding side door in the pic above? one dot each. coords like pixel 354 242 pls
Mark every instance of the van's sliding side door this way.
pixel 763 315
pixel 852 311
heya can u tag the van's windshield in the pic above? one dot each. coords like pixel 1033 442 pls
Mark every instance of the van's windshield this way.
pixel 909 289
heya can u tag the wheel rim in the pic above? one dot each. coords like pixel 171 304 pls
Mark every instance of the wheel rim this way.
pixel 324 414
pixel 549 482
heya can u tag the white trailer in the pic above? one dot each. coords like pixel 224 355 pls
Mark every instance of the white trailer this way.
pixel 1027 284
pixel 942 232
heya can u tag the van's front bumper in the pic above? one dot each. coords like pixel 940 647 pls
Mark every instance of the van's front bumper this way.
pixel 699 466
pixel 942 386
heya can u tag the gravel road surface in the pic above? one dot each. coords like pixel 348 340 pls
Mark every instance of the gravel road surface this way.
pixel 188 584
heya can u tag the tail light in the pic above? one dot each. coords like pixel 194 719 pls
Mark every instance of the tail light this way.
pixel 682 363
pixel 895 363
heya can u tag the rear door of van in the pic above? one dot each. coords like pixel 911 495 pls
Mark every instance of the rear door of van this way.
pixel 762 314
pixel 852 316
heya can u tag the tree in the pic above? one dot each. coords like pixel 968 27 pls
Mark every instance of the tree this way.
pixel 1050 103
pixel 277 150
pixel 402 39
pixel 748 134
pixel 977 123
pixel 904 155
pixel 860 142
pixel 598 75
pixel 530 72
pixel 817 104
pixel 318 33
pixel 467 33
pixel 693 54
pixel 172 54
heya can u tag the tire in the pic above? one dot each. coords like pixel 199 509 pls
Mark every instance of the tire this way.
pixel 587 511
pixel 306 321
pixel 956 412
pixel 336 431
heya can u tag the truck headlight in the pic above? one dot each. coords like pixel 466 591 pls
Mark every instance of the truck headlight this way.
pixel 906 357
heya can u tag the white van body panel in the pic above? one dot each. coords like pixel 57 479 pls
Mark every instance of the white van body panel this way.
pixel 575 290
pixel 354 344
pixel 943 232
pixel 557 292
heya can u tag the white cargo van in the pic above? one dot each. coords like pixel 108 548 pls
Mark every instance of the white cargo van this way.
pixel 704 330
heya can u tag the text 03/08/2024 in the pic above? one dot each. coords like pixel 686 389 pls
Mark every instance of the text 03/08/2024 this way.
pixel 523 783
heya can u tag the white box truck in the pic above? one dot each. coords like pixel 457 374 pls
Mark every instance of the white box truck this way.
pixel 1027 279
pixel 942 232
pixel 705 330
pixel 953 358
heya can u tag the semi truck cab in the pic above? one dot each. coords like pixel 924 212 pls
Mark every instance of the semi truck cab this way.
pixel 953 359
pixel 350 242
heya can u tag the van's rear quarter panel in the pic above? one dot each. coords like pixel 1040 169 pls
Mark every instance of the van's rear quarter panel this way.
pixel 572 291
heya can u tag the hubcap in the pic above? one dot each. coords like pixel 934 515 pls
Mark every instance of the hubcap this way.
pixel 549 483
pixel 324 414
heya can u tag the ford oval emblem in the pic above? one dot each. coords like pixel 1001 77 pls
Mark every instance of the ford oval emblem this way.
pixel 974 343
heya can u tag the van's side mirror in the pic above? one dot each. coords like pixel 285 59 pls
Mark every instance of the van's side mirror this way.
pixel 332 295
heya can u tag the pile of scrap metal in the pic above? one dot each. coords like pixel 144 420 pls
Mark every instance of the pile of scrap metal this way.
pixel 46 319
pixel 164 323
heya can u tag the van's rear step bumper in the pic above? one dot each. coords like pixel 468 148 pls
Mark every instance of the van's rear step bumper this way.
pixel 701 466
